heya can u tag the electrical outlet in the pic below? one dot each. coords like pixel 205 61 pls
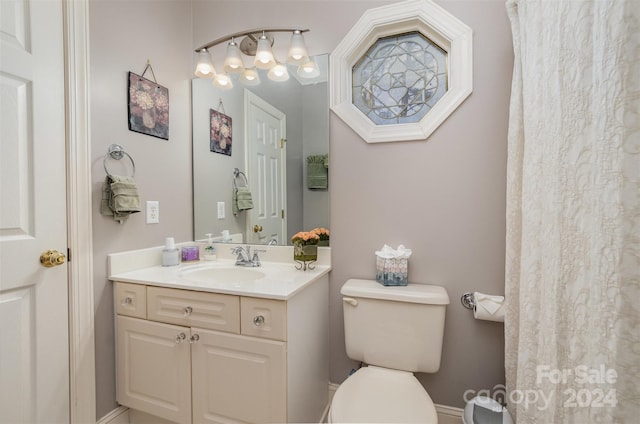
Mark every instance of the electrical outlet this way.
pixel 220 210
pixel 153 212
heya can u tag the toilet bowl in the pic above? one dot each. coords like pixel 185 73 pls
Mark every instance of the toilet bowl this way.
pixel 379 395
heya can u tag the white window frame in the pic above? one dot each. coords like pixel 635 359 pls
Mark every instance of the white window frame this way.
pixel 433 22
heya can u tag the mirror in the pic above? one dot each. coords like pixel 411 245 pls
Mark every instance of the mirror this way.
pixel 304 104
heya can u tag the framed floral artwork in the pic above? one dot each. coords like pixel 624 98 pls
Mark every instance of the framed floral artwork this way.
pixel 148 107
pixel 221 133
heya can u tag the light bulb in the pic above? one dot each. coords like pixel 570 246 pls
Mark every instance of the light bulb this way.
pixel 264 56
pixel 250 77
pixel 297 51
pixel 309 70
pixel 223 81
pixel 204 68
pixel 278 73
pixel 233 61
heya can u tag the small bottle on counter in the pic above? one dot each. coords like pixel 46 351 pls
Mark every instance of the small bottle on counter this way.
pixel 209 250
pixel 170 253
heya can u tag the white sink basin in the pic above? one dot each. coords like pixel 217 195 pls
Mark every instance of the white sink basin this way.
pixel 225 274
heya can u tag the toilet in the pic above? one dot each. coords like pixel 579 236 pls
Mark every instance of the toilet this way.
pixel 395 331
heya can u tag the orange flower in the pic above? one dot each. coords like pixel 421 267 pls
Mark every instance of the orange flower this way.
pixel 305 238
pixel 323 233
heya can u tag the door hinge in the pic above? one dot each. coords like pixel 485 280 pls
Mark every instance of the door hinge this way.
pixel 282 213
pixel 282 141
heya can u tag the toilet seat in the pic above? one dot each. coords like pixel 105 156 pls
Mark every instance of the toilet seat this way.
pixel 380 395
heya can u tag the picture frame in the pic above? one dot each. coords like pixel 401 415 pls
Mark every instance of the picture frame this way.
pixel 148 107
pixel 221 132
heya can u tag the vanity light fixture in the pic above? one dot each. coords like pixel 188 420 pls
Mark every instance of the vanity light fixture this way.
pixel 297 51
pixel 309 69
pixel 250 77
pixel 264 56
pixel 205 68
pixel 256 43
pixel 233 62
pixel 278 72
pixel 223 81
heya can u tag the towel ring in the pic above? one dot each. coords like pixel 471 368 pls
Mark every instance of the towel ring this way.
pixel 237 174
pixel 117 152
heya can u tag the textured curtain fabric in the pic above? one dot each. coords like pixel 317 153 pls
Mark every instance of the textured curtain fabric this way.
pixel 572 324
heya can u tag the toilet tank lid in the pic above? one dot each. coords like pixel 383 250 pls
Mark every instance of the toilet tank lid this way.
pixel 414 293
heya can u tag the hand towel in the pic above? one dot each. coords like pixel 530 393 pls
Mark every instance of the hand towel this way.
pixel 317 172
pixel 119 197
pixel 242 199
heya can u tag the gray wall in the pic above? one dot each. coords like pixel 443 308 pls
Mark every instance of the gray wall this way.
pixel 443 198
pixel 123 35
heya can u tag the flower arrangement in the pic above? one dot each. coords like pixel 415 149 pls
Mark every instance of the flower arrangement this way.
pixel 323 233
pixel 305 238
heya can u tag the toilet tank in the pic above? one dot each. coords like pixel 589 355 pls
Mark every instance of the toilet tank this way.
pixel 397 327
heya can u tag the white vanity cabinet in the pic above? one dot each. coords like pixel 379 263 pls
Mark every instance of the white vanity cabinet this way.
pixel 199 357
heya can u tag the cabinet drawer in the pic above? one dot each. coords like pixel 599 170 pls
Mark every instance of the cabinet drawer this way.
pixel 264 318
pixel 131 300
pixel 194 309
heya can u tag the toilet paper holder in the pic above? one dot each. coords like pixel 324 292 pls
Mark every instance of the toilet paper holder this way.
pixel 468 301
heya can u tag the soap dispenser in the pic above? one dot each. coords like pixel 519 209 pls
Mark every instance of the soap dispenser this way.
pixel 209 250
pixel 170 253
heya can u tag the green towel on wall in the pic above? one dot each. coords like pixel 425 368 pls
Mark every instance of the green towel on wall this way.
pixel 242 199
pixel 119 197
pixel 318 171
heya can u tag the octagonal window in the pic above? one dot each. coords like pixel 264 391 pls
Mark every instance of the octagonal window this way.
pixel 399 79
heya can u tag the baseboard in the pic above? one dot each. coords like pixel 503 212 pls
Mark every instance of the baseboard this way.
pixel 120 415
pixel 449 414
pixel 446 414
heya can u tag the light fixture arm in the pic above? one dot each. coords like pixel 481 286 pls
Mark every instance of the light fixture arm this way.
pixel 246 33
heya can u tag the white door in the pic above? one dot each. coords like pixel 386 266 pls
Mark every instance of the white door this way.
pixel 34 358
pixel 266 161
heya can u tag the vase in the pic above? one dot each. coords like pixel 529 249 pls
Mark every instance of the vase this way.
pixel 323 243
pixel 305 253
pixel 149 118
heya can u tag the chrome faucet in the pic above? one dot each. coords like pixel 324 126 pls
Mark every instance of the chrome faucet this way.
pixel 244 257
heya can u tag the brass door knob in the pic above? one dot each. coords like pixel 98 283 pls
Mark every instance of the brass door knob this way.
pixel 257 228
pixel 52 257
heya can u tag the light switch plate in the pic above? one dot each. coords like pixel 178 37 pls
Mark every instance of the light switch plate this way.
pixel 221 210
pixel 153 212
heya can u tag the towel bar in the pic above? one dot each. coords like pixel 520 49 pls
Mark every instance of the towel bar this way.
pixel 117 152
pixel 237 174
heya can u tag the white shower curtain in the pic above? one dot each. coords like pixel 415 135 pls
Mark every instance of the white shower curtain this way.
pixel 572 327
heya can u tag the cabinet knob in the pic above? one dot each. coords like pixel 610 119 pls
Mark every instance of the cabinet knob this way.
pixel 258 320
pixel 187 311
pixel 194 338
pixel 127 301
pixel 180 338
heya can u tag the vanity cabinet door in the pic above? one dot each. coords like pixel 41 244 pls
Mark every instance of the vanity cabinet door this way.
pixel 238 379
pixel 154 368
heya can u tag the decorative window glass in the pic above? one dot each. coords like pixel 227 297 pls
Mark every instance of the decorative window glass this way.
pixel 399 79
pixel 401 71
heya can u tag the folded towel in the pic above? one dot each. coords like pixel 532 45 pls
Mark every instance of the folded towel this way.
pixel 242 199
pixel 318 172
pixel 119 197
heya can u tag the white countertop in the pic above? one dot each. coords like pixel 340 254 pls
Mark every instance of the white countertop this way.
pixel 281 281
